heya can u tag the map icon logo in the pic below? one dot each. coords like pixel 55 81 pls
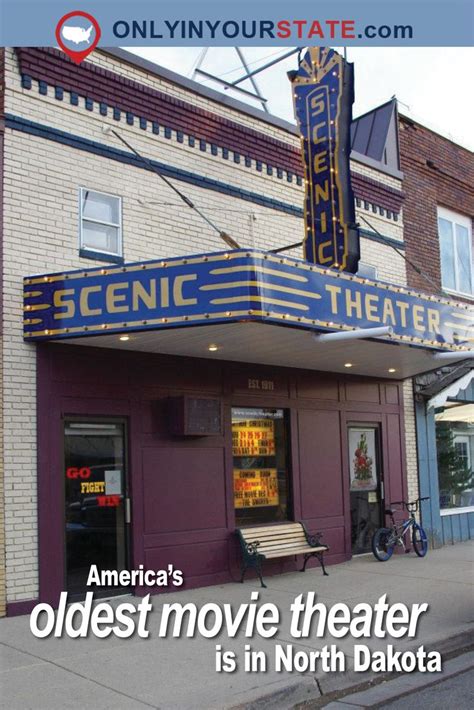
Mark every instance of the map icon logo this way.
pixel 78 34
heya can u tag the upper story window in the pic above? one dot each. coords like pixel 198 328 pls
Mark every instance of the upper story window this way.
pixel 455 238
pixel 100 224
pixel 367 271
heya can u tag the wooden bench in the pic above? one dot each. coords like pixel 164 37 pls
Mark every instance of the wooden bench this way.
pixel 265 543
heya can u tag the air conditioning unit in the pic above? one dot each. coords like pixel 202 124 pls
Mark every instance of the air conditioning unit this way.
pixel 195 416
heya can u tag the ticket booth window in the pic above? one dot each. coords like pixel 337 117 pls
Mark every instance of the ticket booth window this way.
pixel 260 466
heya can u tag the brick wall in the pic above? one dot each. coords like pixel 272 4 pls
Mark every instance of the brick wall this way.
pixel 41 223
pixel 436 172
pixel 2 504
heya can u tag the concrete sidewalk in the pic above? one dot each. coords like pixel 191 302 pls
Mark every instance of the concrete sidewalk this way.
pixel 179 673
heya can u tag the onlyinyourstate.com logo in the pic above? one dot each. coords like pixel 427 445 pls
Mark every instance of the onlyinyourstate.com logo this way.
pixel 78 34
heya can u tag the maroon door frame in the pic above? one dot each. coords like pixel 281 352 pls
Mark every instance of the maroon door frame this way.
pixel 51 516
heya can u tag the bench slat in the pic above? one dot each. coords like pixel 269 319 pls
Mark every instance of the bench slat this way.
pixel 282 536
pixel 282 543
pixel 289 546
pixel 286 536
pixel 297 551
pixel 269 528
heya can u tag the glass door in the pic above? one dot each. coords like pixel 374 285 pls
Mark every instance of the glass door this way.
pixel 95 500
pixel 366 486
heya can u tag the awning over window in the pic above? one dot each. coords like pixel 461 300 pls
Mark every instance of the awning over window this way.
pixel 452 391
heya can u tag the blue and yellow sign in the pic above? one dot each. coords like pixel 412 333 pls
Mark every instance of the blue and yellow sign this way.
pixel 323 94
pixel 232 287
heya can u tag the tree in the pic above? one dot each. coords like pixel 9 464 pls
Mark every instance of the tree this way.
pixel 454 475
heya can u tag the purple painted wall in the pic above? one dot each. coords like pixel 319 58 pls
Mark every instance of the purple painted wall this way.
pixel 182 498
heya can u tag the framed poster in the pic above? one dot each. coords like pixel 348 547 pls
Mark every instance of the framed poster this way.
pixel 363 459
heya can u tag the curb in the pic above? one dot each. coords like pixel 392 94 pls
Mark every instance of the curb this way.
pixel 394 689
pixel 310 692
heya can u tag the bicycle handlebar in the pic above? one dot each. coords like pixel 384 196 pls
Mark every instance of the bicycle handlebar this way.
pixel 414 504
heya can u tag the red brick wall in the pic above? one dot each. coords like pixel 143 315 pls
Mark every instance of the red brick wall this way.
pixel 437 172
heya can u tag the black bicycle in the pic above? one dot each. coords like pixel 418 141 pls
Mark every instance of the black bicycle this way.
pixel 385 539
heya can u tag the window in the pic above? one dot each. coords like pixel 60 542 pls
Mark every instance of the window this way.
pixel 461 444
pixel 260 455
pixel 455 453
pixel 101 224
pixel 367 271
pixel 455 240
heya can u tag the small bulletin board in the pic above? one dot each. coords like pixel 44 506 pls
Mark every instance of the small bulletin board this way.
pixel 253 437
pixel 255 487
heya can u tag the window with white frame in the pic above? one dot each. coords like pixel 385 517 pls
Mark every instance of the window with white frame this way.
pixel 100 222
pixel 462 447
pixel 455 239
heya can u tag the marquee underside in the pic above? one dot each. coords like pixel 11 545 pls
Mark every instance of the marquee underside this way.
pixel 261 343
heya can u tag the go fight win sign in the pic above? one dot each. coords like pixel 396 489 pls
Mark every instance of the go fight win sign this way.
pixel 323 94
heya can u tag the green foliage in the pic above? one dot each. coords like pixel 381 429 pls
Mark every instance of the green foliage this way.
pixel 453 473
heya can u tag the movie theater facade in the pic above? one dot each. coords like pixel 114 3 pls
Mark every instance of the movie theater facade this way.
pixel 165 389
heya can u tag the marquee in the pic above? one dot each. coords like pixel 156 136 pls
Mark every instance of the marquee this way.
pixel 234 287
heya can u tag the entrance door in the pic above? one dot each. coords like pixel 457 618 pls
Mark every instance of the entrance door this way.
pixel 95 500
pixel 366 486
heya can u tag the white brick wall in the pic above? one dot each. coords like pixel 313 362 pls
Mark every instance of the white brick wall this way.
pixel 410 440
pixel 41 227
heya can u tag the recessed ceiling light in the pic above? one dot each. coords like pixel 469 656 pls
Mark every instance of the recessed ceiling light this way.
pixel 348 364
pixel 124 337
pixel 212 348
pixel 391 369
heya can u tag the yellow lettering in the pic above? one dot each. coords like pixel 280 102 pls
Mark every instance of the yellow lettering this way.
pixel 353 304
pixel 93 487
pixel 84 301
pixel 433 320
pixel 323 223
pixel 178 297
pixel 334 291
pixel 165 292
pixel 316 138
pixel 322 259
pixel 388 312
pixel 403 312
pixel 113 298
pixel 139 293
pixel 60 301
pixel 371 305
pixel 317 105
pixel 319 162
pixel 321 191
pixel 418 317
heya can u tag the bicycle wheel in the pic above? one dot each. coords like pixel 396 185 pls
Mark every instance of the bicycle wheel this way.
pixel 420 541
pixel 380 547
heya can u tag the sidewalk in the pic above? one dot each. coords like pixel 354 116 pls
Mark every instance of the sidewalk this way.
pixel 133 674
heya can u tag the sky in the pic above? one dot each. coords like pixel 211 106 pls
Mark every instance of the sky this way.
pixel 432 84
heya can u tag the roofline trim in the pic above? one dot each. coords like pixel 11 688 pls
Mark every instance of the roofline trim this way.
pixel 198 88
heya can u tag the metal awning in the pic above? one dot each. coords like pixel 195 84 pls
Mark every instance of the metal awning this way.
pixel 452 391
pixel 253 307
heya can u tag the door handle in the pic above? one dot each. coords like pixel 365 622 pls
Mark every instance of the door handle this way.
pixel 128 511
pixel 382 491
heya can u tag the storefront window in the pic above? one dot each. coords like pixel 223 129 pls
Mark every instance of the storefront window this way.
pixel 455 451
pixel 259 448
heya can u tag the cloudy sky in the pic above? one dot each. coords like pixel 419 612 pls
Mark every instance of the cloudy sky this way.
pixel 433 85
